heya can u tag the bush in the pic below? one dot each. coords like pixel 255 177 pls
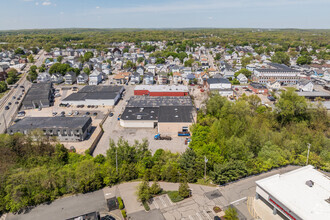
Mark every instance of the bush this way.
pixel 146 206
pixel 120 203
pixel 184 190
pixel 123 212
pixel 174 196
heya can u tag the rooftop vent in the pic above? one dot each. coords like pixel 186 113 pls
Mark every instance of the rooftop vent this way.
pixel 328 200
pixel 139 117
pixel 310 183
pixel 176 116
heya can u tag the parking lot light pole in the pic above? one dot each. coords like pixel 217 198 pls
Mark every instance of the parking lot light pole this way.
pixel 205 160
pixel 309 147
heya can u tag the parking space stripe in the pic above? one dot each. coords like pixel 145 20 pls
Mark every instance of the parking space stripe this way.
pixel 161 199
pixel 207 215
pixel 199 216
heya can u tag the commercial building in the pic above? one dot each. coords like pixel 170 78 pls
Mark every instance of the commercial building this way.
pixel 276 72
pixel 64 128
pixel 222 85
pixel 170 114
pixel 161 90
pixel 95 95
pixel 40 95
pixel 300 194
pixel 258 88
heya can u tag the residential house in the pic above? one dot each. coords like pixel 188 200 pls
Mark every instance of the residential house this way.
pixel 148 79
pixel 56 78
pixel 95 77
pixel 70 78
pixel 3 74
pixel 119 79
pixel 82 78
pixel 135 78
pixel 274 85
pixel 222 85
pixel 140 70
pixel 43 77
pixel 151 69
pixel 242 78
pixel 305 86
pixel 212 71
pixel 177 61
pixel 162 78
pixel 177 78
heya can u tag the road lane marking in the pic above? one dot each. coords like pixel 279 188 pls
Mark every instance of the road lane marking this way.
pixel 244 198
pixel 199 216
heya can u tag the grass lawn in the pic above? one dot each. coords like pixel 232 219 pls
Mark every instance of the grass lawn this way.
pixel 174 196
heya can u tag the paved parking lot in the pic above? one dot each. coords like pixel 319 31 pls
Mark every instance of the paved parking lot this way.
pixel 113 130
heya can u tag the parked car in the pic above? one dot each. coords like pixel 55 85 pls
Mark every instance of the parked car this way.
pixel 9 103
pixel 54 113
pixel 88 113
pixel 271 98
pixel 17 102
pixel 95 114
pixel 17 120
pixel 76 113
pixel 7 107
pixel 111 114
pixel 21 114
pixel 14 97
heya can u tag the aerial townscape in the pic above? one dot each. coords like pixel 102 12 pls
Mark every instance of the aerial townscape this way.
pixel 163 123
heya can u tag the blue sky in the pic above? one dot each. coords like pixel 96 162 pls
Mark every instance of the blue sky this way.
pixel 29 14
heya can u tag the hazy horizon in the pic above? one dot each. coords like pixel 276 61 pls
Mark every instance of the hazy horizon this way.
pixel 157 14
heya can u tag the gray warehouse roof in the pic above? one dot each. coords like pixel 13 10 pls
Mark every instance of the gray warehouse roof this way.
pixel 39 92
pixel 95 92
pixel 135 113
pixel 30 123
pixel 218 80
pixel 156 101
pixel 176 114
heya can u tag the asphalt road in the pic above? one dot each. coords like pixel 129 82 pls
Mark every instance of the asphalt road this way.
pixel 7 116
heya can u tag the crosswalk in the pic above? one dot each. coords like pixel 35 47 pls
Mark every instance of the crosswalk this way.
pixel 161 202
pixel 201 215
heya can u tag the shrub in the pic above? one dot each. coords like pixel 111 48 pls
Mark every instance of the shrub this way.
pixel 120 203
pixel 146 206
pixel 123 212
pixel 174 196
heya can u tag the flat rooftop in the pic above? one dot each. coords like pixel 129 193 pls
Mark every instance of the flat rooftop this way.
pixel 30 123
pixel 176 114
pixel 156 101
pixel 94 92
pixel 314 94
pixel 136 113
pixel 162 88
pixel 291 190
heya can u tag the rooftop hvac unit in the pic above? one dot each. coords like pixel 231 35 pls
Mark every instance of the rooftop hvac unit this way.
pixel 310 183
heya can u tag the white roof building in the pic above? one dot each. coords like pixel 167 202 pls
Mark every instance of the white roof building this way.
pixel 300 194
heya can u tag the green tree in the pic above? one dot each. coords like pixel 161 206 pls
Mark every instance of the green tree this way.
pixel 189 63
pixel 19 51
pixel 184 189
pixel 230 171
pixel 129 64
pixel 281 58
pixel 144 191
pixel 87 70
pixel 3 86
pixel 246 60
pixel 59 59
pixel 217 56
pixel 160 60
pixel 88 55
pixel 140 59
pixel 244 71
pixel 231 214
pixel 291 107
pixel 31 58
pixel 302 60
pixel 155 188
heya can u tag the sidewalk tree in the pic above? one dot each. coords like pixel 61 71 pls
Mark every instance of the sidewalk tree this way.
pixel 59 59
pixel 155 188
pixel 144 191
pixel 231 214
pixel 281 58
pixel 184 189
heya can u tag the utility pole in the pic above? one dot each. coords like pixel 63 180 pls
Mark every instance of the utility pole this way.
pixel 205 160
pixel 309 147
pixel 116 162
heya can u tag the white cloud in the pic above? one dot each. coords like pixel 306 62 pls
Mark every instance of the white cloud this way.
pixel 46 3
pixel 97 7
pixel 28 0
pixel 37 3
